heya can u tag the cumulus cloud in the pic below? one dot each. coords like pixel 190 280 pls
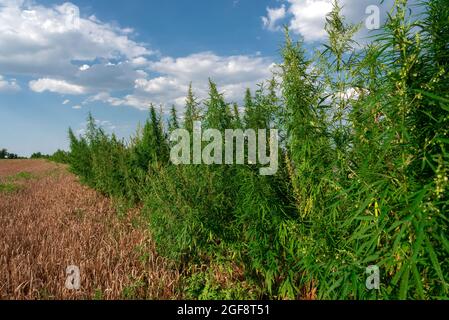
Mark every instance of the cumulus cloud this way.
pixel 307 17
pixel 8 85
pixel 139 102
pixel 233 74
pixel 52 31
pixel 36 40
pixel 139 62
pixel 58 86
pixel 274 15
pixel 239 67
pixel 227 71
pixel 63 52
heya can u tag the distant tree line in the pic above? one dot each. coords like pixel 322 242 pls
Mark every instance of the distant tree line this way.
pixel 59 156
pixel 4 154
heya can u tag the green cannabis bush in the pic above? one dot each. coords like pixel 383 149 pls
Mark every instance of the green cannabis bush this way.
pixel 362 179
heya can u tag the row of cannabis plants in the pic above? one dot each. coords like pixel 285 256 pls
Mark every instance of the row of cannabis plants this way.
pixel 362 179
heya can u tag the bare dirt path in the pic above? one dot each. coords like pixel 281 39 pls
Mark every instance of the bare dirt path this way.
pixel 49 221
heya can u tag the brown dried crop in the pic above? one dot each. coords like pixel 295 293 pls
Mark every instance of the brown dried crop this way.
pixel 9 168
pixel 52 222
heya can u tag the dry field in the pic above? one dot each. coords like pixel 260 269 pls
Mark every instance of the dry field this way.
pixel 49 221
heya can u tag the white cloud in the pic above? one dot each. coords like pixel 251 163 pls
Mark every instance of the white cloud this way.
pixel 57 86
pixel 66 102
pixel 106 98
pixel 309 18
pixel 139 62
pixel 139 102
pixel 77 107
pixel 274 15
pixel 8 85
pixel 64 53
pixel 232 74
pixel 84 67
pixel 207 64
pixel 41 41
pixel 160 85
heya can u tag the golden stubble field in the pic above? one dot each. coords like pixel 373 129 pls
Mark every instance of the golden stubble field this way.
pixel 49 221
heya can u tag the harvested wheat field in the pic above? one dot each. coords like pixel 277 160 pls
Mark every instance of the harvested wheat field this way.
pixel 49 221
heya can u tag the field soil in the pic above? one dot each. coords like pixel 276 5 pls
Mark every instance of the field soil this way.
pixel 50 221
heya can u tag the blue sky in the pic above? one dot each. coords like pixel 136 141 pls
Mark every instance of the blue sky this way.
pixel 179 28
pixel 59 60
